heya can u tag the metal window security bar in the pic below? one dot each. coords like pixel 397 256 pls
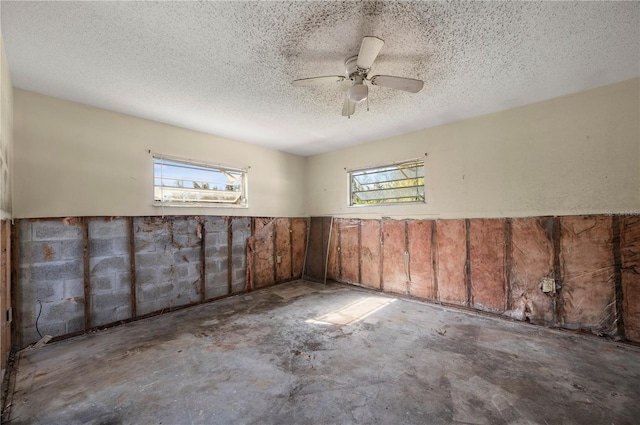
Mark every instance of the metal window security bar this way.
pixel 388 184
pixel 184 182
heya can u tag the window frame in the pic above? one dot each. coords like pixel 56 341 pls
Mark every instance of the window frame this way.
pixel 397 164
pixel 185 162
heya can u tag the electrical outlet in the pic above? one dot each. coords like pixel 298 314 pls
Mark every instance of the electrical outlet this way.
pixel 548 285
pixel 278 259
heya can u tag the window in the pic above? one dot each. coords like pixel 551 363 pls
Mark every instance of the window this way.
pixel 389 184
pixel 182 182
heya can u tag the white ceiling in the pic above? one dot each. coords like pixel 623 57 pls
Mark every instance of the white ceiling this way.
pixel 226 68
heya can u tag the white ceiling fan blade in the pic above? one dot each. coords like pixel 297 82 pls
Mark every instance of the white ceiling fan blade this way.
pixel 348 108
pixel 317 81
pixel 399 83
pixel 369 50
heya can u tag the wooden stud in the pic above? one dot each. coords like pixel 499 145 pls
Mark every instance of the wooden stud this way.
pixel 557 271
pixel 16 323
pixel 619 293
pixel 434 258
pixel 508 249
pixel 132 266
pixel 229 255
pixel 467 264
pixel 86 274
pixel 360 251
pixel 291 276
pixel 381 255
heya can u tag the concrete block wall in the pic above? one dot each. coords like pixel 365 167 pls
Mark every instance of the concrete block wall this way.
pixel 176 261
pixel 167 262
pixel 496 265
pixel 110 271
pixel 50 278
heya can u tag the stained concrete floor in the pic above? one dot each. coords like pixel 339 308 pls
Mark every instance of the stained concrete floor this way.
pixel 303 353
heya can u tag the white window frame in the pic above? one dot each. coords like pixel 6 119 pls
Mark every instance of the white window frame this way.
pixel 375 168
pixel 160 191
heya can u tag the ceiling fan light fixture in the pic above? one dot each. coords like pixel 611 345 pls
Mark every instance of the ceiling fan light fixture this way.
pixel 358 92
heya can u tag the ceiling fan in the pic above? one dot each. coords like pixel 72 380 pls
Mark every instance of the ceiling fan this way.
pixel 356 75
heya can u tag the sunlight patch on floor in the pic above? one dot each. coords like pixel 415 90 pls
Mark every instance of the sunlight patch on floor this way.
pixel 353 312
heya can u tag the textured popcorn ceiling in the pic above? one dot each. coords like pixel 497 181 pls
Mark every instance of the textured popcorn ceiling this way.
pixel 226 68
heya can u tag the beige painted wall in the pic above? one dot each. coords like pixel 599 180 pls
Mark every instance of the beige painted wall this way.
pixel 76 160
pixel 6 134
pixel 577 154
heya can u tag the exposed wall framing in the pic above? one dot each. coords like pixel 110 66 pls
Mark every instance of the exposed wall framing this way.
pixel 77 274
pixel 587 265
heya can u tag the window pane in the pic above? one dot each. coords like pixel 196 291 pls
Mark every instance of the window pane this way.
pixel 388 184
pixel 184 182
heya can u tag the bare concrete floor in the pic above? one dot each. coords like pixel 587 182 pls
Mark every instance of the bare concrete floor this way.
pixel 303 353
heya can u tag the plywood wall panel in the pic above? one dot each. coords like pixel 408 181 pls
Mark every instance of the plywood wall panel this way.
pixel 487 256
pixel 370 253
pixel 263 253
pixel 420 259
pixel 394 275
pixel 283 250
pixel 588 293
pixel 299 246
pixel 332 264
pixel 451 260
pixel 532 261
pixel 316 251
pixel 630 256
pixel 349 250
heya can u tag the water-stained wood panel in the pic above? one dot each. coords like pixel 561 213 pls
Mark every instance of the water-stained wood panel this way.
pixel 349 250
pixel 263 253
pixel 299 246
pixel 394 275
pixel 283 250
pixel 370 253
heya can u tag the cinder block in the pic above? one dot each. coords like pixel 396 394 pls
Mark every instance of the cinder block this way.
pixel 74 288
pixel 103 283
pixel 215 224
pixel 57 271
pixel 108 265
pixel 74 325
pixel 152 292
pixel 110 301
pixel 121 246
pixel 55 230
pixel 153 259
pixel 123 280
pixel 146 275
pixel 101 247
pixel 238 285
pixel 62 310
pixel 100 228
pixel 24 230
pixel 52 328
pixel 216 284
pixel 187 255
pixel 44 291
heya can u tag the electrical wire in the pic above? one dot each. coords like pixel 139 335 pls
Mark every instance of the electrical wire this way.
pixel 39 313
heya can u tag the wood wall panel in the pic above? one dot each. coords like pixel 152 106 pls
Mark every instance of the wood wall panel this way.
pixel 370 253
pixel 263 255
pixel 283 250
pixel 299 238
pixel 349 250
pixel 332 264
pixel 316 252
pixel 394 277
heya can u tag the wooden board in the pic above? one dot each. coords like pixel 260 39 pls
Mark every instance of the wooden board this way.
pixel 263 254
pixel 332 265
pixel 299 246
pixel 394 276
pixel 317 245
pixel 370 253
pixel 487 258
pixel 349 250
pixel 283 250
